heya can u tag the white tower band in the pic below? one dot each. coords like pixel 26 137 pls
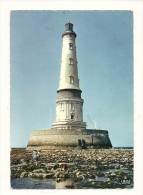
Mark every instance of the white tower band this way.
pixel 69 111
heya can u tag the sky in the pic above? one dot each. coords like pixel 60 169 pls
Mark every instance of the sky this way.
pixel 105 65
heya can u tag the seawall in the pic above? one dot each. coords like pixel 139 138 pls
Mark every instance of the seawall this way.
pixel 53 138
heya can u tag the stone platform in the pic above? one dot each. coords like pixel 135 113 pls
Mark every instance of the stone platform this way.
pixel 55 138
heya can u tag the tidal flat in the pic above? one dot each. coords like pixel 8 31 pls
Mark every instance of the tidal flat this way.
pixel 87 169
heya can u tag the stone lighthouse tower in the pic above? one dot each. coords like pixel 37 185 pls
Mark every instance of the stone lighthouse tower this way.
pixel 69 130
pixel 69 112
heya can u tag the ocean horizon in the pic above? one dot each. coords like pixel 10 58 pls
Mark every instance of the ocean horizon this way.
pixel 120 147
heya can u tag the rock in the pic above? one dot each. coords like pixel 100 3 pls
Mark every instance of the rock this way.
pixel 58 169
pixel 107 173
pixel 113 174
pixel 15 175
pixel 91 180
pixel 121 166
pixel 30 174
pixel 56 166
pixel 91 167
pixel 23 174
pixel 37 175
pixel 38 171
pixel 83 177
pixel 89 184
pixel 91 176
pixel 117 167
pixel 119 172
pixel 78 173
pixel 58 180
pixel 125 177
pixel 95 167
pixel 30 167
pixel 22 160
pixel 100 174
pixel 75 171
pixel 108 180
pixel 61 175
pixel 82 164
pixel 56 175
pixel 42 165
pixel 80 178
pixel 111 166
pixel 47 175
pixel 48 168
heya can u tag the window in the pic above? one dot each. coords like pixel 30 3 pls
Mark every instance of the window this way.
pixel 70 27
pixel 72 106
pixel 72 116
pixel 71 79
pixel 70 46
pixel 71 61
pixel 62 106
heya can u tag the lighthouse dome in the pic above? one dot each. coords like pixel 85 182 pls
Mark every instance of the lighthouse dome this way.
pixel 69 29
pixel 69 26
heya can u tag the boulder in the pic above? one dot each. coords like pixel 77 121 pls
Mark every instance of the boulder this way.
pixel 42 165
pixel 56 166
pixel 78 173
pixel 56 175
pixel 22 160
pixel 39 171
pixel 113 174
pixel 23 174
pixel 37 175
pixel 30 167
pixel 61 174
pixel 91 175
pixel 117 166
pixel 30 174
pixel 91 180
pixel 47 175
pixel 15 175
pixel 121 166
pixel 79 178
pixel 100 174
pixel 107 173
pixel 108 180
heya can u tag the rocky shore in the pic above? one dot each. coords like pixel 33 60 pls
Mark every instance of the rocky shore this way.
pixel 89 168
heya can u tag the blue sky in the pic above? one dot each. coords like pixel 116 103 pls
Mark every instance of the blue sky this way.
pixel 105 63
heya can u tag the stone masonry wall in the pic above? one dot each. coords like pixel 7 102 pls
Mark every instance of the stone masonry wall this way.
pixel 68 132
pixel 69 138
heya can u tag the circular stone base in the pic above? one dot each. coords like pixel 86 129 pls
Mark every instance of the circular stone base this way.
pixel 52 138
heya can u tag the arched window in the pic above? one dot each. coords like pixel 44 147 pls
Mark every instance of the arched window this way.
pixel 71 61
pixel 72 106
pixel 71 79
pixel 72 116
pixel 70 46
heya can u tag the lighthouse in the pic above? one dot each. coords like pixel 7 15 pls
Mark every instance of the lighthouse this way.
pixel 69 104
pixel 69 130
